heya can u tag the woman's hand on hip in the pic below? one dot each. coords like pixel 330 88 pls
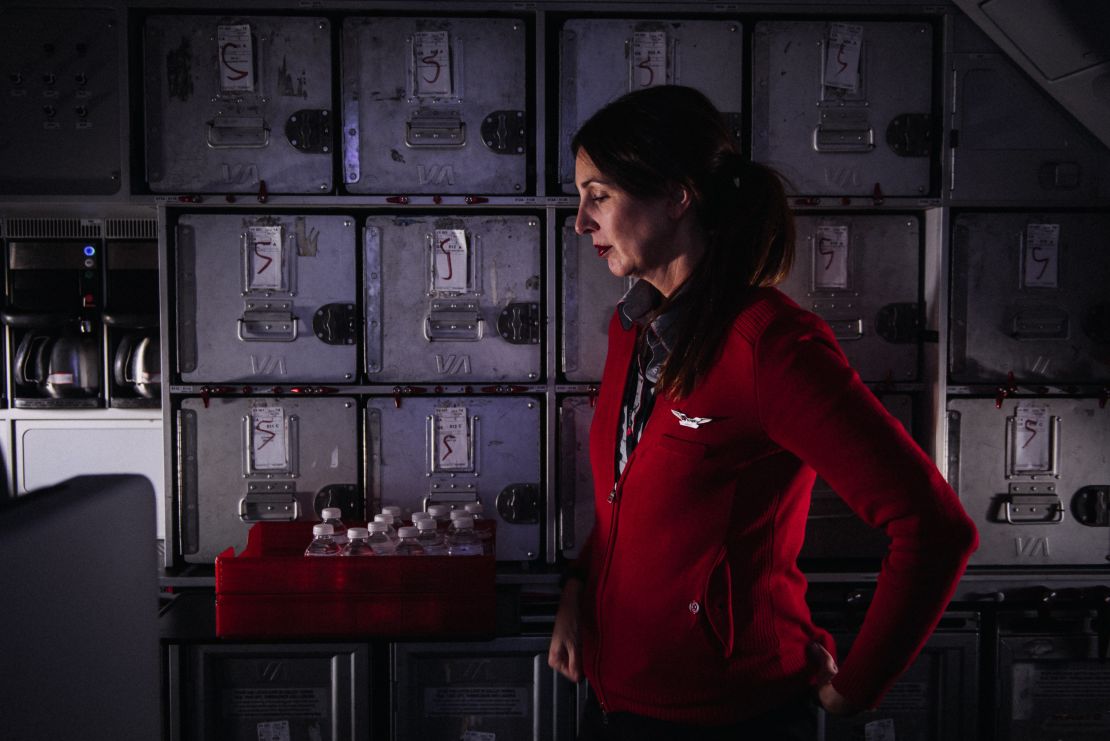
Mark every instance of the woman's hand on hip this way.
pixel 825 667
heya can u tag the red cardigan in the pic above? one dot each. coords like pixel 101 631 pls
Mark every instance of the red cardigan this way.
pixel 694 608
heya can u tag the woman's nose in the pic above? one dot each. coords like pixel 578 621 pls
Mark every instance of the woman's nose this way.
pixel 583 224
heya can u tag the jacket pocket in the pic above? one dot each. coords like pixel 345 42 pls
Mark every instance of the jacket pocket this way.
pixel 718 604
pixel 687 448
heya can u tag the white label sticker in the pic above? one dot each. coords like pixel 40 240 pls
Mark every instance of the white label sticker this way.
pixel 1031 443
pixel 452 439
pixel 830 258
pixel 451 253
pixel 236 55
pixel 268 449
pixel 431 54
pixel 478 736
pixel 649 59
pixel 879 730
pixel 266 258
pixel 275 730
pixel 842 56
pixel 1040 267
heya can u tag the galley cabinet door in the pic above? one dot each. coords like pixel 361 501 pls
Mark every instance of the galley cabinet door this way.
pixel 1035 478
pixel 936 698
pixel 435 105
pixel 291 691
pixel 60 132
pixel 833 531
pixel 1029 298
pixel 834 116
pixel 499 689
pixel 601 59
pixel 458 449
pixel 589 295
pixel 1052 682
pixel 861 274
pixel 576 481
pixel 1013 141
pixel 266 298
pixel 244 460
pixel 453 298
pixel 238 104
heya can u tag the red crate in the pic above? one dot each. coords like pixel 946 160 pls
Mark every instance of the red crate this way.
pixel 272 589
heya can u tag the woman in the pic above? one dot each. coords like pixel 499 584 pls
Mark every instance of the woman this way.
pixel 720 402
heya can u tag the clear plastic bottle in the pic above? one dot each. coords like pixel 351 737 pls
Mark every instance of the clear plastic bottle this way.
pixel 464 541
pixel 391 530
pixel 430 538
pixel 379 539
pixel 408 544
pixel 442 513
pixel 330 516
pixel 419 515
pixel 357 543
pixel 455 515
pixel 393 509
pixel 476 510
pixel 322 543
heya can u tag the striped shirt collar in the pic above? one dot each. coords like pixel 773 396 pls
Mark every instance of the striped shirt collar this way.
pixel 638 303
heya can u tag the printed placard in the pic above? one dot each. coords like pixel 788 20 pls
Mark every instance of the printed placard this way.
pixel 266 243
pixel 649 59
pixel 451 451
pixel 274 730
pixel 1032 453
pixel 879 730
pixel 269 451
pixel 451 259
pixel 830 258
pixel 481 701
pixel 842 55
pixel 236 58
pixel 431 55
pixel 1041 258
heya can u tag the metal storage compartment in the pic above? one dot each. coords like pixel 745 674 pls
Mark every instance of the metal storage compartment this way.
pixel 457 449
pixel 453 298
pixel 266 297
pixel 501 689
pixel 1029 298
pixel 861 274
pixel 601 59
pixel 238 104
pixel 1034 476
pixel 834 116
pixel 436 105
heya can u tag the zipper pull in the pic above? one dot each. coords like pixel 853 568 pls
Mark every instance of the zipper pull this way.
pixel 612 494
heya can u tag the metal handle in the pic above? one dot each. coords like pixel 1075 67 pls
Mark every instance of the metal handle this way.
pixel 238 132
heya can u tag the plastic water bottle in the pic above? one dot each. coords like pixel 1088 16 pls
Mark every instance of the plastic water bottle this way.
pixel 408 544
pixel 476 510
pixel 357 543
pixel 379 539
pixel 390 530
pixel 455 515
pixel 430 538
pixel 442 513
pixel 464 541
pixel 394 510
pixel 330 516
pixel 322 543
pixel 419 515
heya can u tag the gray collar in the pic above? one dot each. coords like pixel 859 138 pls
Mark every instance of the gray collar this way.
pixel 660 334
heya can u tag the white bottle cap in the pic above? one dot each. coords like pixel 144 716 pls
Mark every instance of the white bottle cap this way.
pixel 322 529
pixel 357 532
pixel 457 513
pixel 392 510
pixel 464 522
pixel 438 510
pixel 418 515
pixel 475 508
pixel 331 513
pixel 378 526
pixel 426 523
pixel 408 532
pixel 387 519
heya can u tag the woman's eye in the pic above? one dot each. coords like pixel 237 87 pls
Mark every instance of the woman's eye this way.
pixel 598 199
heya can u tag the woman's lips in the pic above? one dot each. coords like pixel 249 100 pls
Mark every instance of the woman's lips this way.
pixel 602 249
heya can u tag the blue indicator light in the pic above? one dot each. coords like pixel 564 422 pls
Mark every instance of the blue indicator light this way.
pixel 90 250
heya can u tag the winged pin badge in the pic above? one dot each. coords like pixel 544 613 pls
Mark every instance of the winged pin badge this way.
pixel 694 422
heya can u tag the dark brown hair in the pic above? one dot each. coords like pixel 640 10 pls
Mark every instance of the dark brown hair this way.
pixel 651 140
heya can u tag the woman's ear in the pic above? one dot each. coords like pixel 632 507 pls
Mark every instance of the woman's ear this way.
pixel 679 201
